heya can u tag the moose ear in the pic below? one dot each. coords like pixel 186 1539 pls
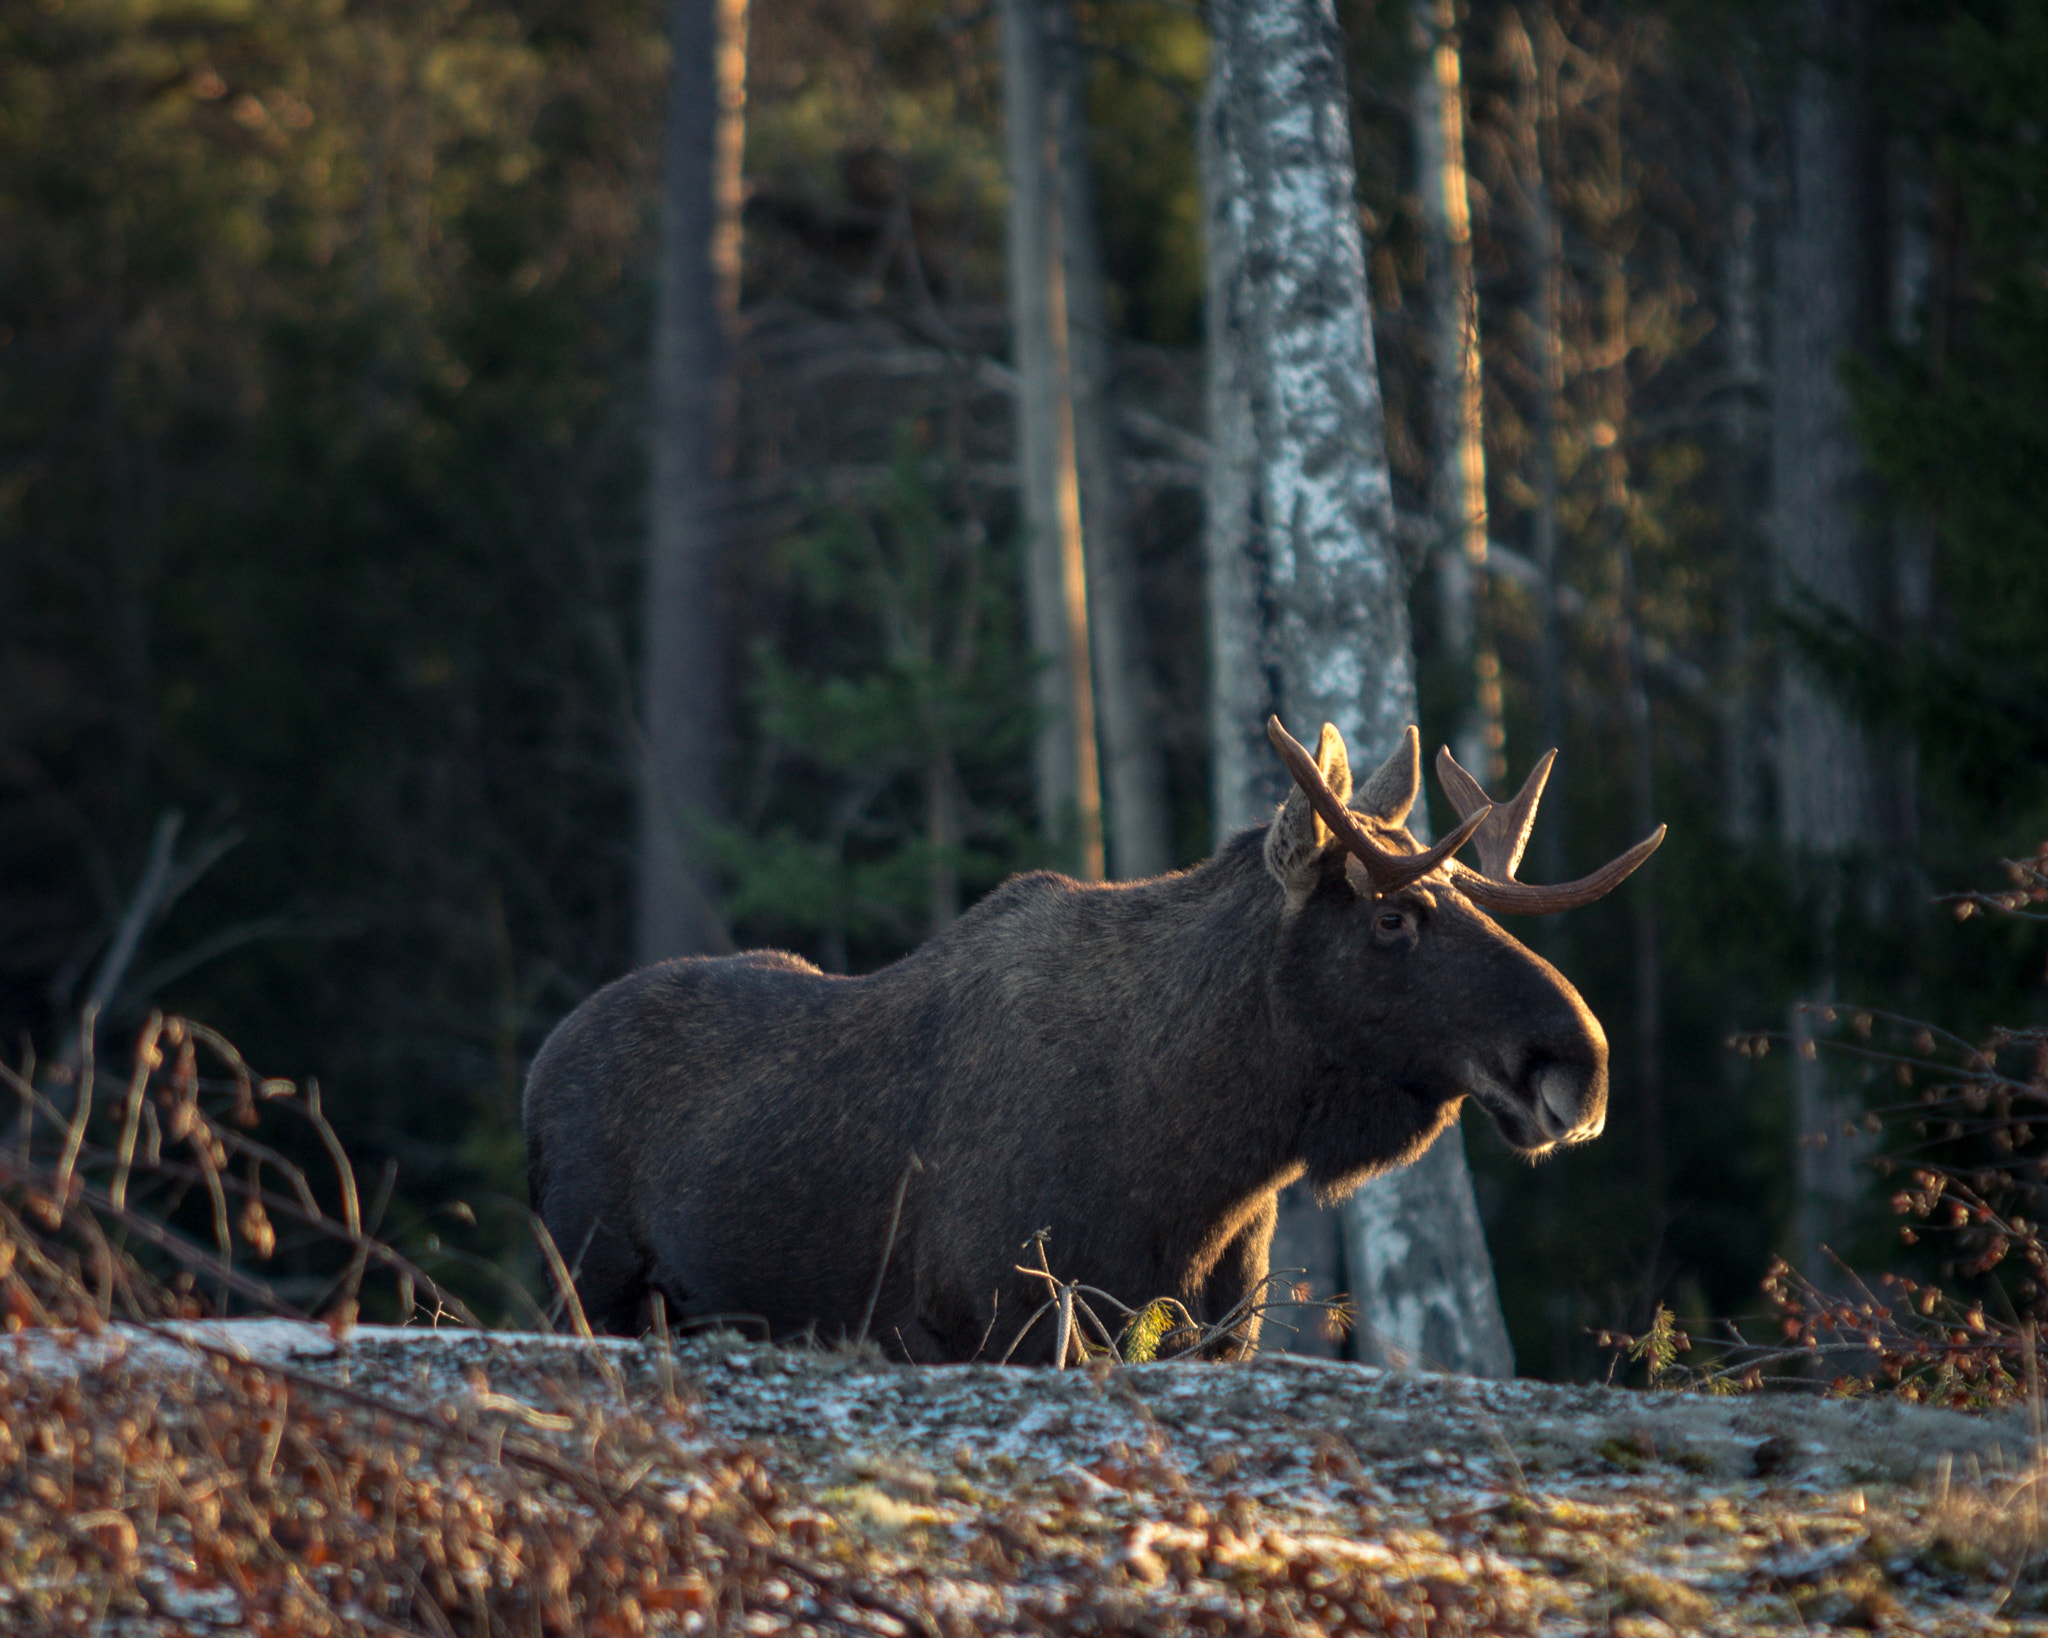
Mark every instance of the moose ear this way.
pixel 1333 763
pixel 1392 790
pixel 1294 845
pixel 1298 833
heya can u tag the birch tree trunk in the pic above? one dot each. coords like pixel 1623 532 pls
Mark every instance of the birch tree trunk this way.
pixel 1056 577
pixel 682 702
pixel 1455 390
pixel 1828 305
pixel 1308 600
pixel 1133 766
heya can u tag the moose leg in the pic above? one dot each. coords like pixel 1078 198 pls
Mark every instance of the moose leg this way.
pixel 918 1344
pixel 611 1279
pixel 1241 1272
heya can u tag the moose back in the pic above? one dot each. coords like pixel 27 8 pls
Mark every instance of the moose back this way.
pixel 1137 1069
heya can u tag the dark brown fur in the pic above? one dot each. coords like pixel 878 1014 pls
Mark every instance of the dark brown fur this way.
pixel 1137 1068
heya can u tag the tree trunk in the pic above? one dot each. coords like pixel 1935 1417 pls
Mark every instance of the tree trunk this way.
pixel 1133 766
pixel 1645 927
pixel 1829 305
pixel 1308 598
pixel 1613 196
pixel 697 296
pixel 1245 782
pixel 1455 389
pixel 1535 57
pixel 1056 577
pixel 1742 773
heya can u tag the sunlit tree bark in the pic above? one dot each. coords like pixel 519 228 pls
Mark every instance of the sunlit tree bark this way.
pixel 1455 396
pixel 1133 767
pixel 1308 595
pixel 682 703
pixel 1056 575
pixel 1532 50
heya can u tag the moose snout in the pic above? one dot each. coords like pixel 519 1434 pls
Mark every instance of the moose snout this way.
pixel 1542 1103
pixel 1570 1105
pixel 1563 1079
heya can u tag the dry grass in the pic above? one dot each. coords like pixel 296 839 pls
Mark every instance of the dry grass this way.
pixel 255 1496
pixel 243 1496
pixel 260 1497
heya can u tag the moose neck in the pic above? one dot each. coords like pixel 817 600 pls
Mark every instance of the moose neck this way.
pixel 1250 1058
pixel 1187 970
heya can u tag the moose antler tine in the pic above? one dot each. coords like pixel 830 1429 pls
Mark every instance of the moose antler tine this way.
pixel 1388 870
pixel 1300 764
pixel 1504 837
pixel 1465 792
pixel 1328 805
pixel 1520 898
pixel 1412 867
pixel 1516 820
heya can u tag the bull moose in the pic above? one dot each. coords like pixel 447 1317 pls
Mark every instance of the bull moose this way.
pixel 1138 1068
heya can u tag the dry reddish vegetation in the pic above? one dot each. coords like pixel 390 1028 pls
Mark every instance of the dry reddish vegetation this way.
pixel 237 1495
pixel 148 1482
pixel 232 1497
pixel 463 1482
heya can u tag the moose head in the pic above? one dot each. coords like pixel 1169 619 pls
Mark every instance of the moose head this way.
pixel 1449 1003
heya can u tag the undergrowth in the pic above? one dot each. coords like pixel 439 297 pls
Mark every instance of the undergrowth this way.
pixel 157 1479
pixel 1963 1141
pixel 239 1494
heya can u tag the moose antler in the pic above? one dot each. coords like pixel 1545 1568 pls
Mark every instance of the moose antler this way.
pixel 1389 870
pixel 1503 833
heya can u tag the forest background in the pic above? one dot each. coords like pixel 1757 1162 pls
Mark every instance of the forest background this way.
pixel 324 395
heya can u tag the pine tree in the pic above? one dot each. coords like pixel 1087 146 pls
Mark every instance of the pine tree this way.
pixel 892 723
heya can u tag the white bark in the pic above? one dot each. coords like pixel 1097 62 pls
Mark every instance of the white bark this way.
pixel 1245 782
pixel 1308 595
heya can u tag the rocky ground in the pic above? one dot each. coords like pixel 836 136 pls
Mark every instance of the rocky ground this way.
pixel 833 1492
